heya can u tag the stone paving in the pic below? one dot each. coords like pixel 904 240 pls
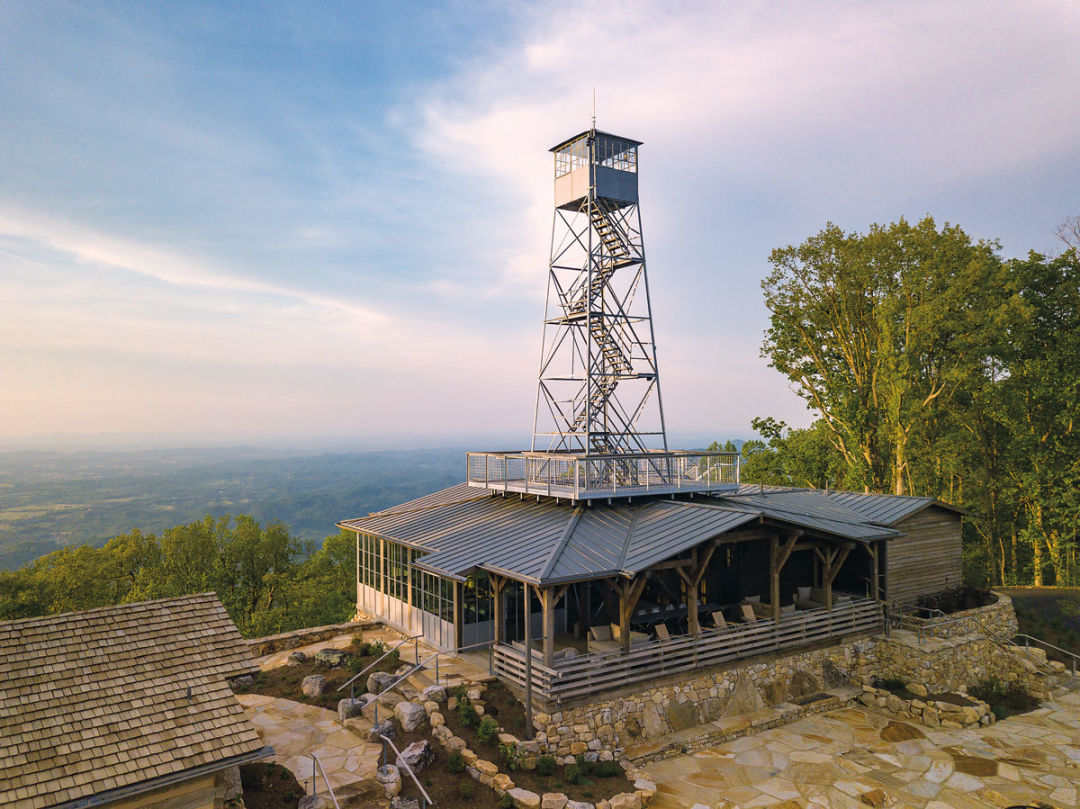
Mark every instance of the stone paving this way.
pixel 855 758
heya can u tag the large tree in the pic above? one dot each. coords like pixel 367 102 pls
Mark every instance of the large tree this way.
pixel 879 332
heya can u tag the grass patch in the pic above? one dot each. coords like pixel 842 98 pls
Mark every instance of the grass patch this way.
pixel 285 681
pixel 958 599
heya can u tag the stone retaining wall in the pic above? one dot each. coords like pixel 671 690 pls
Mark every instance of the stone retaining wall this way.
pixel 934 712
pixel 302 637
pixel 997 619
pixel 657 712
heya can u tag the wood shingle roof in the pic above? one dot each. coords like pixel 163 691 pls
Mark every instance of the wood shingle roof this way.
pixel 104 699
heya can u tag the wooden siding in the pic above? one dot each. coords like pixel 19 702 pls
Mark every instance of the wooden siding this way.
pixel 927 559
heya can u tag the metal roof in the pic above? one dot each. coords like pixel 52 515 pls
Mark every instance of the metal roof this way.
pixel 881 509
pixel 543 541
pixel 598 132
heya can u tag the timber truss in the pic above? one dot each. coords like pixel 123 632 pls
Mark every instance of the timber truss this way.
pixel 599 384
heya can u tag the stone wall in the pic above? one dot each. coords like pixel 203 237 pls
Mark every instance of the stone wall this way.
pixel 657 712
pixel 997 619
pixel 302 637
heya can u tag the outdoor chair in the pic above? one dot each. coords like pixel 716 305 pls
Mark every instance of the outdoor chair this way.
pixel 746 612
pixel 600 639
pixel 718 620
pixel 809 598
pixel 662 632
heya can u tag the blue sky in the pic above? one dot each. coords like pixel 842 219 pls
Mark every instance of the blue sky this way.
pixel 252 221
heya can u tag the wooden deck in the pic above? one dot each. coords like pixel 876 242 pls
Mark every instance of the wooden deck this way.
pixel 585 675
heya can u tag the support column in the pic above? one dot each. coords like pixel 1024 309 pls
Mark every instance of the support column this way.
pixel 497 585
pixel 457 615
pixel 774 576
pixel 408 590
pixel 875 584
pixel 547 607
pixel 629 593
pixel 528 661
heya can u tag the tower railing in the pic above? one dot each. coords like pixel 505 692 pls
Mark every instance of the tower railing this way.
pixel 584 477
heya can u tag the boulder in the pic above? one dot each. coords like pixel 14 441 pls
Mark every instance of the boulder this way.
pixel 586 805
pixel 379 681
pixel 313 685
pixel 390 777
pixel 383 728
pixel 332 657
pixel 553 800
pixel 410 714
pixel 348 708
pixel 404 803
pixel 296 658
pixel 918 689
pixel 523 799
pixel 243 681
pixel 314 802
pixel 433 693
pixel 502 782
pixel 390 699
pixel 625 800
pixel 417 755
pixel 436 719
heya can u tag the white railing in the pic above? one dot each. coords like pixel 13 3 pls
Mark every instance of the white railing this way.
pixel 582 477
pixel 574 677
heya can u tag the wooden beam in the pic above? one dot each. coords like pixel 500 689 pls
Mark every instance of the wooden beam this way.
pixel 837 556
pixel 671 564
pixel 788 549
pixel 875 586
pixel 547 608
pixel 629 593
pixel 528 661
pixel 774 576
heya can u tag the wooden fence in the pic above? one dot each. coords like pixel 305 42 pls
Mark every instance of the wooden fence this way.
pixel 580 676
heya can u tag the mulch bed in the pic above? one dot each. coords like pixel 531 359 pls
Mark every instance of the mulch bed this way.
pixel 1004 700
pixel 285 681
pixel 269 786
pixel 957 599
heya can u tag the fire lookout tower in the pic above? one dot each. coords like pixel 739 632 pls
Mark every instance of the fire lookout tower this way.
pixel 598 429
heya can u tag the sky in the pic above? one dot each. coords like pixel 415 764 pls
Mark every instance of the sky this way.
pixel 240 222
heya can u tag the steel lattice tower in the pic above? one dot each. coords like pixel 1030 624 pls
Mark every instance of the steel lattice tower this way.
pixel 599 383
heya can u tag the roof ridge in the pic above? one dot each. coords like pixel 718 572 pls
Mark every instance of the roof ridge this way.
pixel 556 551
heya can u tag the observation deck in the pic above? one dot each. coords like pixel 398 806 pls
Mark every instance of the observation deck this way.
pixel 574 476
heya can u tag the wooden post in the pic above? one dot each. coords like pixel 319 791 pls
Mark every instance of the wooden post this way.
pixel 547 607
pixel 458 618
pixel 497 585
pixel 528 663
pixel 875 586
pixel 832 560
pixel 774 576
pixel 629 593
pixel 408 589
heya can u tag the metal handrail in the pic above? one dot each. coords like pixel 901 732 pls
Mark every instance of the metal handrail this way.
pixel 408 769
pixel 315 763
pixel 1073 656
pixel 370 666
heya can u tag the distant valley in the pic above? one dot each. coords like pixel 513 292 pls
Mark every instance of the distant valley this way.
pixel 52 499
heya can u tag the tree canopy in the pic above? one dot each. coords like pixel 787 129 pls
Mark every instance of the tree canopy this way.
pixel 935 367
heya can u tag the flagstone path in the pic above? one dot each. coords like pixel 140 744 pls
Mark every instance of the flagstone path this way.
pixel 853 758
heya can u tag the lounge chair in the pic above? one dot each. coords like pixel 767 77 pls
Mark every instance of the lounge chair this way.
pixel 662 632
pixel 600 640
pixel 809 598
pixel 746 612
pixel 718 620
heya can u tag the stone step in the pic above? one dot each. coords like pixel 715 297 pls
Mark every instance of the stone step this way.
pixel 734 727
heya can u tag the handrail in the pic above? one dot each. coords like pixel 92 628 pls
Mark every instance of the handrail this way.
pixel 316 763
pixel 1039 641
pixel 370 666
pixel 408 769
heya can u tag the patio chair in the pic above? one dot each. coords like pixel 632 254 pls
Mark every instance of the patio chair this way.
pixel 600 639
pixel 809 598
pixel 662 632
pixel 718 620
pixel 746 612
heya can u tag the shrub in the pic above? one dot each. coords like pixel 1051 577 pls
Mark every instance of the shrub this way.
pixel 505 801
pixel 467 713
pixel 573 774
pixel 607 769
pixel 545 765
pixel 456 762
pixel 488 730
pixel 467 788
pixel 510 756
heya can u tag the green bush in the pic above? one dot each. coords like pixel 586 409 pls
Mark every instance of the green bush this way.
pixel 488 730
pixel 467 713
pixel 545 765
pixel 505 801
pixel 607 769
pixel 573 774
pixel 456 762
pixel 510 756
pixel 467 788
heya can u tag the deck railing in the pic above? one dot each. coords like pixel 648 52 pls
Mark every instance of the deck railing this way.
pixel 571 678
pixel 583 477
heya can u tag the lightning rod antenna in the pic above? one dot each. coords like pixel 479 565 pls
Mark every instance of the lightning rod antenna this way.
pixel 594 107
